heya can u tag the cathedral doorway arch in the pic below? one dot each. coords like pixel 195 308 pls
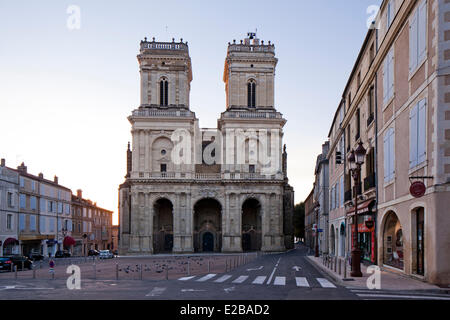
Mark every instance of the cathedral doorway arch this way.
pixel 207 225
pixel 251 225
pixel 162 226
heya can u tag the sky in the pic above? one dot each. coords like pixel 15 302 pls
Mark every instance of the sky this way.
pixel 67 85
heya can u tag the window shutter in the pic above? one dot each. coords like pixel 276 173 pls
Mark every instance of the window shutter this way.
pixel 385 81
pixel 391 154
pixel 391 73
pixel 413 137
pixel 386 156
pixel 422 131
pixel 422 31
pixel 413 43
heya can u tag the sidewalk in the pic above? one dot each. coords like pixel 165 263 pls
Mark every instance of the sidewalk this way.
pixel 389 279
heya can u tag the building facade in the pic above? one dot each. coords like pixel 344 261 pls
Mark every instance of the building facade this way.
pixel 206 190
pixel 92 226
pixel 310 220
pixel 9 195
pixel 396 104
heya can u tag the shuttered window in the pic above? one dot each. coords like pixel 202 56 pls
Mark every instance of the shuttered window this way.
pixel 388 76
pixel 417 134
pixel 418 36
pixel 389 156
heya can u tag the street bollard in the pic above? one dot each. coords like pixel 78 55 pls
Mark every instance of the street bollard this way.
pixel 167 273
pixel 335 263
pixel 340 262
pixel 140 272
pixel 117 271
pixel 15 272
pixel 95 271
pixel 34 273
pixel 188 268
pixel 345 269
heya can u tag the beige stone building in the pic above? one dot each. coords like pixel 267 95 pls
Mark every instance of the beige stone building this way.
pixel 202 190
pixel 396 103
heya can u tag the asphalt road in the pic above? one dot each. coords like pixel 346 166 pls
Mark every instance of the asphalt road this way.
pixel 285 276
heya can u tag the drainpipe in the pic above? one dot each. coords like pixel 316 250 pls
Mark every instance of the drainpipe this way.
pixel 376 156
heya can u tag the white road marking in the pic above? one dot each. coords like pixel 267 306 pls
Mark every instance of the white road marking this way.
pixel 301 282
pixel 228 290
pixel 259 280
pixel 240 279
pixel 325 283
pixel 256 269
pixel 155 292
pixel 401 296
pixel 191 290
pixel 223 278
pixel 186 278
pixel 280 281
pixel 207 277
pixel 273 272
pixel 297 268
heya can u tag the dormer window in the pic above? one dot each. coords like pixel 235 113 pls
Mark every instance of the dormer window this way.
pixel 164 92
pixel 251 93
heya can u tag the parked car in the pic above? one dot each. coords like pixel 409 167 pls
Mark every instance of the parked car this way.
pixel 116 252
pixel 35 256
pixel 5 264
pixel 105 254
pixel 20 261
pixel 93 252
pixel 62 254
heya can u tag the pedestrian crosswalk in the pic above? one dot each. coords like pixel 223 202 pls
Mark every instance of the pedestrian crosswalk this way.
pixel 302 282
pixel 367 294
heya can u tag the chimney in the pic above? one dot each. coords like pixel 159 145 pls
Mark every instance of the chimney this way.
pixel 3 163
pixel 55 179
pixel 41 175
pixel 22 168
pixel 80 193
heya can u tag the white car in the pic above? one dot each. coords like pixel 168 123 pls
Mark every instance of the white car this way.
pixel 105 254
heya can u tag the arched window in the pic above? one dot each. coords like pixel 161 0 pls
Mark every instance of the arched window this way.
pixel 251 93
pixel 164 92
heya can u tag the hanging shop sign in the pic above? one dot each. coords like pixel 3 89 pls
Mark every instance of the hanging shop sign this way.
pixel 417 189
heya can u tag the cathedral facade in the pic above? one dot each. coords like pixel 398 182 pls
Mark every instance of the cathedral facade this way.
pixel 189 189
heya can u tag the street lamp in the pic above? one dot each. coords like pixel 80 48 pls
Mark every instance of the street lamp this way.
pixel 356 160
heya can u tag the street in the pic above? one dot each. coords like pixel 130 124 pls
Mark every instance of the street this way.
pixel 285 276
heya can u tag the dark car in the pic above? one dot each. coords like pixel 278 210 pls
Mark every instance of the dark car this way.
pixel 22 262
pixel 62 254
pixel 36 256
pixel 93 252
pixel 116 252
pixel 5 264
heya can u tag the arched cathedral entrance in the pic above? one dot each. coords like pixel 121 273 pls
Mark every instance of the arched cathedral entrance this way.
pixel 163 226
pixel 207 226
pixel 251 225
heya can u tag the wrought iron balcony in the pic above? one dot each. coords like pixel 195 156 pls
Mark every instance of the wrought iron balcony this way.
pixel 348 195
pixel 369 182
pixel 370 119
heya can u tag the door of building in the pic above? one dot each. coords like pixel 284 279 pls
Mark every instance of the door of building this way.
pixel 208 242
pixel 420 248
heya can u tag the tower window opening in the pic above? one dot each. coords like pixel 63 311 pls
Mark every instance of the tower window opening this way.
pixel 251 93
pixel 164 92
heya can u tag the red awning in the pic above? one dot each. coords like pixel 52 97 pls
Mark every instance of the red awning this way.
pixel 68 241
pixel 362 208
pixel 10 241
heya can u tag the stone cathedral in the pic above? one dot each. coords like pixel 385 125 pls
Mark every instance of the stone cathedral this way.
pixel 189 189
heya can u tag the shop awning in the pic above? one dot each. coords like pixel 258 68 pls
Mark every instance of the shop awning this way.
pixel 68 241
pixel 10 241
pixel 364 207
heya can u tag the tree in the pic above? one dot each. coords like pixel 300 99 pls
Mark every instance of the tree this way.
pixel 299 220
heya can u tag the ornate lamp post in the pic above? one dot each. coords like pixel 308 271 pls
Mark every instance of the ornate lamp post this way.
pixel 356 160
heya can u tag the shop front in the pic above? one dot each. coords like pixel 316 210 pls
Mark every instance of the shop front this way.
pixel 366 230
pixel 10 246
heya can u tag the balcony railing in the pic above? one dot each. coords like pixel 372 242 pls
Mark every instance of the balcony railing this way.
pixel 252 115
pixel 205 176
pixel 161 113
pixel 370 119
pixel 369 182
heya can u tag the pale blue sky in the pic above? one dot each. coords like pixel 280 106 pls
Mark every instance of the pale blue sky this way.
pixel 65 94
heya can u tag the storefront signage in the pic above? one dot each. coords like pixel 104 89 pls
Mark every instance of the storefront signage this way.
pixel 369 224
pixel 417 189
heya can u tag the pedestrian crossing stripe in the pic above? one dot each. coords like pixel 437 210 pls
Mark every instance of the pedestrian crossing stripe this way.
pixel 259 280
pixel 278 281
pixel 301 282
pixel 223 278
pixel 207 277
pixel 325 283
pixel 240 279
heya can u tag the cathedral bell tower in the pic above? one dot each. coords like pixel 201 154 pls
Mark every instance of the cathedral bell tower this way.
pixel 166 74
pixel 249 74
